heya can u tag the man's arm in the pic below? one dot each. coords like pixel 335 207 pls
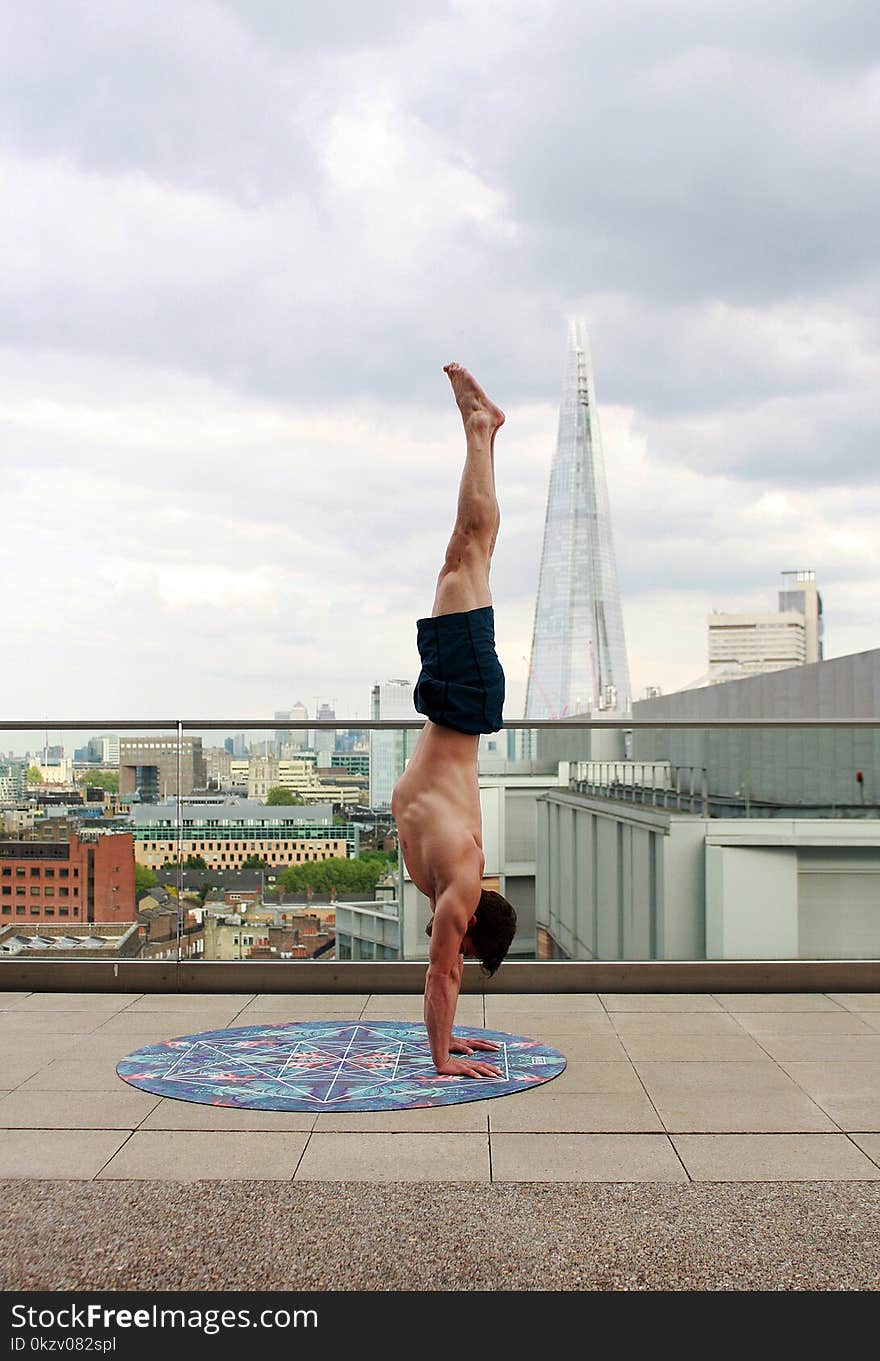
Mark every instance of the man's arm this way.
pixel 443 983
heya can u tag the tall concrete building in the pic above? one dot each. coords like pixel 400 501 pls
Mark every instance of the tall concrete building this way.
pixel 578 661
pixel 389 750
pixel 742 645
pixel 801 594
pixel 148 767
pixel 282 735
pixel 325 738
pixel 299 737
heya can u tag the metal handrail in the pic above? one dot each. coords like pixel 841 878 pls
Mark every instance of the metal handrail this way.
pixel 396 724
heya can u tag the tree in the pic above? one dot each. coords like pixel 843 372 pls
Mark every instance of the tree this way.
pixel 346 876
pixel 35 775
pixel 103 779
pixel 195 862
pixel 278 795
pixel 143 878
pixel 254 862
pixel 386 860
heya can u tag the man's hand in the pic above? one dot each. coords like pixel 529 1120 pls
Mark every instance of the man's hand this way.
pixel 466 1068
pixel 460 1046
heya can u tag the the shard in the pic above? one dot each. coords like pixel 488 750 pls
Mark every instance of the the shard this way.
pixel 578 660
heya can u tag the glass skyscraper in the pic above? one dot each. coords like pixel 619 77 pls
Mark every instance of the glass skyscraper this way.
pixel 578 660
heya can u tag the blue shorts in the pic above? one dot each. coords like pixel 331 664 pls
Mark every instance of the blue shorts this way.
pixel 461 684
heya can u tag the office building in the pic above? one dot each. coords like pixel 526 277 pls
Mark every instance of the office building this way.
pixel 742 645
pixel 148 767
pixel 325 738
pixel 225 835
pixel 389 751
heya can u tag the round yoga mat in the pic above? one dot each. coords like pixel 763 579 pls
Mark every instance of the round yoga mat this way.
pixel 330 1066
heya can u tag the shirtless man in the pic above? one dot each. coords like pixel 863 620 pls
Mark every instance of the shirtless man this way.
pixel 436 801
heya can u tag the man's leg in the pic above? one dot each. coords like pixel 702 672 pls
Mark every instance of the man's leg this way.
pixel 463 583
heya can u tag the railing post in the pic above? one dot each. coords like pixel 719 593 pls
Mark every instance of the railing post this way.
pixel 179 839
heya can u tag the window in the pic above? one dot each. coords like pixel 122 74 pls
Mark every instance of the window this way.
pixel 50 912
pixel 7 892
pixel 47 892
pixel 76 893
pixel 64 873
pixel 36 892
pixel 19 911
pixel 75 872
pixel 64 893
pixel 7 872
pixel 63 912
pixel 35 871
pixel 19 893
pixel 49 873
pixel 20 871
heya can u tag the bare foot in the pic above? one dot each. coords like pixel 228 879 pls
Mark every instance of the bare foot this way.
pixel 477 412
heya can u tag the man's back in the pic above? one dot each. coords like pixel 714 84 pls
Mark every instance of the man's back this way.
pixel 436 804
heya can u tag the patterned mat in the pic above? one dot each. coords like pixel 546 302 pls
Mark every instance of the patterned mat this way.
pixel 330 1066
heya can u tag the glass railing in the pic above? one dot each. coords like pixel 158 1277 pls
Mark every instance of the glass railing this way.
pixel 613 840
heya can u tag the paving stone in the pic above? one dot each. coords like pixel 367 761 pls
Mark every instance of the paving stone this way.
pixel 396 1158
pixel 773 1157
pixel 168 1155
pixel 585 1157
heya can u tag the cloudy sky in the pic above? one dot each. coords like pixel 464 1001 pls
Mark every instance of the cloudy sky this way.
pixel 240 238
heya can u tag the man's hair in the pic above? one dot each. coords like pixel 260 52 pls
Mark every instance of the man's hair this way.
pixel 493 930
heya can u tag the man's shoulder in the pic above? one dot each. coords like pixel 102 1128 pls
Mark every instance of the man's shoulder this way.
pixel 460 868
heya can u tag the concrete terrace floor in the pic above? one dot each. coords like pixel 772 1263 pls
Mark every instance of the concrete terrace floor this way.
pixel 694 1141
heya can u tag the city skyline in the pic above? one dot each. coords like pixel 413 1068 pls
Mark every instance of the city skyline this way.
pixel 230 456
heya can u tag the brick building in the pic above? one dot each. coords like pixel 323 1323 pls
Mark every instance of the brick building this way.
pixel 80 880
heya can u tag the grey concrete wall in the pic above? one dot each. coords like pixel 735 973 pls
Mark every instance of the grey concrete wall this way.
pixel 809 766
pixel 621 883
pixel 601 885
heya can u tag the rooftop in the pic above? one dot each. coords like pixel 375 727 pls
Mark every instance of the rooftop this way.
pixel 234 810
pixel 695 1140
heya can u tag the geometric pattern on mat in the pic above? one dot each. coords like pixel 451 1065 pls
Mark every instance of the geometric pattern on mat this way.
pixel 330 1066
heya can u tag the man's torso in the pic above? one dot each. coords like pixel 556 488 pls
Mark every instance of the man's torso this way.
pixel 436 804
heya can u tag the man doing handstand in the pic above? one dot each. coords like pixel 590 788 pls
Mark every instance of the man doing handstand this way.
pixel 436 802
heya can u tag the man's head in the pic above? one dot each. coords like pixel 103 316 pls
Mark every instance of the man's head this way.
pixel 491 929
